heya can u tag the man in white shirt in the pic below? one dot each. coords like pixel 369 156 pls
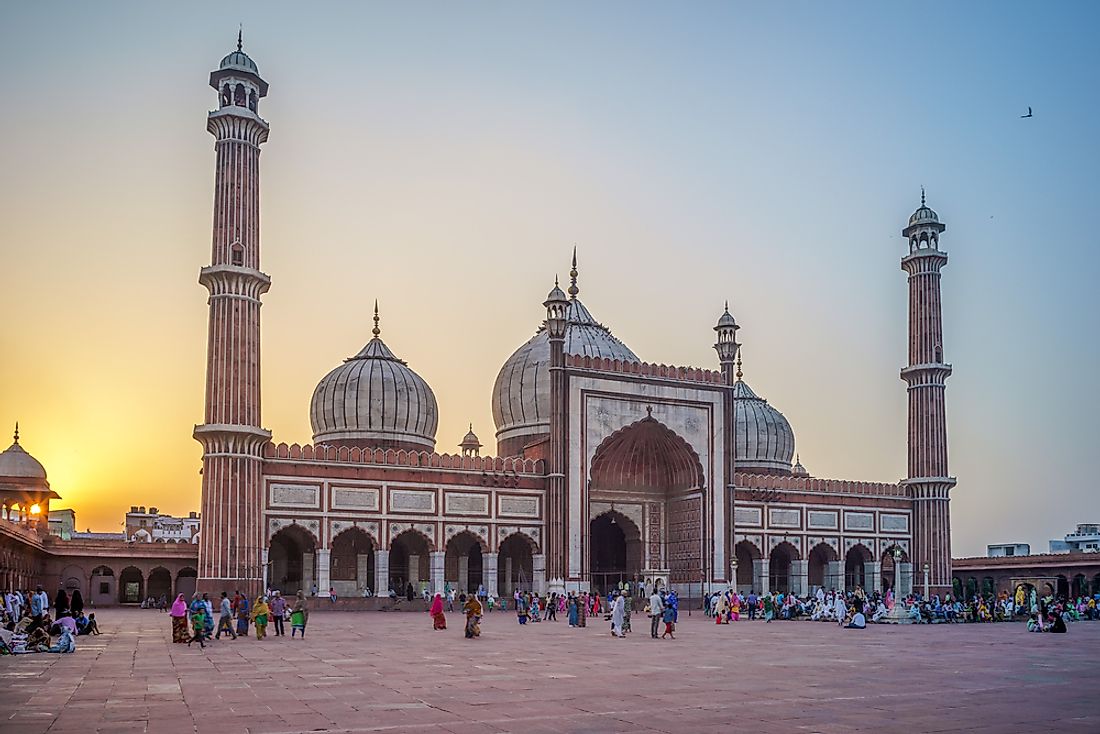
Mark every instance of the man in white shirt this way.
pixel 656 606
pixel 858 621
pixel 840 609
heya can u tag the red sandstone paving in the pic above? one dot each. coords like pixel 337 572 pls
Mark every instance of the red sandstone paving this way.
pixel 372 671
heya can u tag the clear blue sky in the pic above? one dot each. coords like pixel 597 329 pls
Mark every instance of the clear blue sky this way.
pixel 445 157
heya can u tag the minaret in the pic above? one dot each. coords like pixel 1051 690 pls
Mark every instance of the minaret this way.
pixel 929 482
pixel 557 316
pixel 231 546
pixel 728 350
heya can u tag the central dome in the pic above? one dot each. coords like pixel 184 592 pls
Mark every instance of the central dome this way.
pixel 521 395
pixel 763 439
pixel 373 400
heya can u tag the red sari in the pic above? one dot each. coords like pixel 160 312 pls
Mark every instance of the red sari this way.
pixel 439 620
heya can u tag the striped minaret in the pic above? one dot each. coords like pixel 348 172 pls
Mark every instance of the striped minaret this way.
pixel 231 542
pixel 929 482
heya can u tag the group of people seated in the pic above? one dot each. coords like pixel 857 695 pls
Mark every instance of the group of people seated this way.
pixel 26 624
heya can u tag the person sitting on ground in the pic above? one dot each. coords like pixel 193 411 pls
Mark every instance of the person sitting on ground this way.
pixel 65 643
pixel 38 639
pixel 86 625
pixel 879 613
pixel 858 621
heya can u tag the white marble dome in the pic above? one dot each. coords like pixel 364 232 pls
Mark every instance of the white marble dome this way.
pixel 239 60
pixel 763 438
pixel 374 400
pixel 521 394
pixel 16 463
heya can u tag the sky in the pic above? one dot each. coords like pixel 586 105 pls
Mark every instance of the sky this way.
pixel 445 158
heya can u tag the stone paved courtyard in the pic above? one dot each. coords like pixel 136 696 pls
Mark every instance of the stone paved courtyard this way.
pixel 360 672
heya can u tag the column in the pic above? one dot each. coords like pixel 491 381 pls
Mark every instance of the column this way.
pixel 438 559
pixel 760 575
pixel 412 573
pixel 904 580
pixel 800 578
pixel 872 576
pixel 381 572
pixel 362 569
pixel 464 574
pixel 489 572
pixel 307 573
pixel 834 575
pixel 323 582
pixel 539 580
pixel 507 587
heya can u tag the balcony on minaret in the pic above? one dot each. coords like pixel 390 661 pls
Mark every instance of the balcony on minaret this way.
pixel 239 85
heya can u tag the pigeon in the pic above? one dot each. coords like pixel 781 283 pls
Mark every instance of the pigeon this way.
pixel 1028 114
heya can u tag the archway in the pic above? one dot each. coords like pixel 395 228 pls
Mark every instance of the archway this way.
pixel 410 562
pixel 1080 586
pixel 971 588
pixel 891 557
pixel 73 578
pixel 1063 587
pixel 854 569
pixel 817 567
pixel 160 583
pixel 187 582
pixel 351 562
pixel 779 567
pixel 131 586
pixel 745 552
pixel 290 557
pixel 615 551
pixel 646 463
pixel 957 587
pixel 516 564
pixel 102 589
pixel 462 567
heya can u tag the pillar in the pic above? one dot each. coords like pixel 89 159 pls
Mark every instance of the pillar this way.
pixel 323 581
pixel 872 576
pixel 489 572
pixel 381 572
pixel 539 572
pixel 464 574
pixel 412 573
pixel 362 569
pixel 800 578
pixel 760 575
pixel 438 560
pixel 904 580
pixel 834 575
pixel 307 573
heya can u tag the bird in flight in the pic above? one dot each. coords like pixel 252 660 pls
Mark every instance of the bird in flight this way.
pixel 1028 114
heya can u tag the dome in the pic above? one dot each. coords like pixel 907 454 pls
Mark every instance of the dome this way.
pixel 726 320
pixel 799 470
pixel 239 60
pixel 374 400
pixel 763 437
pixel 924 215
pixel 521 394
pixel 17 463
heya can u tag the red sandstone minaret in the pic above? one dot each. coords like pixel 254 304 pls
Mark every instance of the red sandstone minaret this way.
pixel 231 543
pixel 928 482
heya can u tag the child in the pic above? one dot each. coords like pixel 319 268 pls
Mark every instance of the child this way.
pixel 668 616
pixel 521 612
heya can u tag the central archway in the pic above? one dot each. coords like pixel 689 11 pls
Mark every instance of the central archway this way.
pixel 291 554
pixel 410 562
pixel 351 563
pixel 462 564
pixel 656 478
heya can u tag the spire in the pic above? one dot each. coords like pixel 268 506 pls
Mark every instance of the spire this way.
pixel 240 36
pixel 17 431
pixel 376 331
pixel 739 373
pixel 573 289
pixel 922 196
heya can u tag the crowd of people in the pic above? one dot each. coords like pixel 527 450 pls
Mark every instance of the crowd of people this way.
pixel 195 621
pixel 27 626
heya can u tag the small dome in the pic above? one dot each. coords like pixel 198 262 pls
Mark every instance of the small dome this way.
pixel 763 437
pixel 799 470
pixel 18 464
pixel 521 394
pixel 726 320
pixel 374 400
pixel 924 215
pixel 239 60
pixel 556 294
pixel 470 440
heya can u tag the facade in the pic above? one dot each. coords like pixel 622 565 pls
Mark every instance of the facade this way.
pixel 1007 549
pixel 609 468
pixel 154 527
pixel 1085 539
pixel 1068 575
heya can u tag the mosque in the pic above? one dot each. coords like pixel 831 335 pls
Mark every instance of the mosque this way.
pixel 607 468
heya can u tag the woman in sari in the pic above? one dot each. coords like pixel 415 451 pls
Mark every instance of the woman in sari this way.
pixel 571 608
pixel 472 607
pixel 260 613
pixel 439 620
pixel 735 608
pixel 179 620
pixel 299 615
pixel 242 617
pixel 582 610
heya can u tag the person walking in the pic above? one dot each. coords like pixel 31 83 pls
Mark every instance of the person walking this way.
pixel 656 608
pixel 299 615
pixel 225 618
pixel 260 614
pixel 278 613
pixel 618 609
pixel 178 614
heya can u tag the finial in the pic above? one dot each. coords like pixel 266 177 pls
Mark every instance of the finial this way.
pixel 649 411
pixel 471 427
pixel 573 289
pixel 727 306
pixel 240 36
pixel 922 196
pixel 739 373
pixel 17 431
pixel 376 331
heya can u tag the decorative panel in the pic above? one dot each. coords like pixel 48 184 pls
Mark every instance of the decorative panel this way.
pixel 747 516
pixel 295 495
pixel 406 500
pixel 632 512
pixel 466 504
pixel 511 506
pixel 894 523
pixel 822 519
pixel 779 518
pixel 355 498
pixel 859 521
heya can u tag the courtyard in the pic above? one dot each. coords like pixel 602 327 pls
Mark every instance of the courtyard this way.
pixel 365 672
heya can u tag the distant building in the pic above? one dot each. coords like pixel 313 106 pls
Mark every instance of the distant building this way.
pixel 1008 549
pixel 154 527
pixel 62 523
pixel 1085 539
